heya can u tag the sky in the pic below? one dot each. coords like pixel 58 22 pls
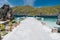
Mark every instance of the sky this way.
pixel 34 3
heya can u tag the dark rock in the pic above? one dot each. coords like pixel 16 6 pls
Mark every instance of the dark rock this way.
pixel 58 22
pixel 0 37
pixel 6 12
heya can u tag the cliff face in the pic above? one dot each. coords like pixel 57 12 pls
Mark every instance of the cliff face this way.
pixel 6 12
pixel 28 10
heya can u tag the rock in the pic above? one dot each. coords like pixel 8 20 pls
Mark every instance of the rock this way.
pixel 6 12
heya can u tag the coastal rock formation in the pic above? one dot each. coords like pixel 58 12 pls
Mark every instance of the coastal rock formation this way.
pixel 58 20
pixel 6 12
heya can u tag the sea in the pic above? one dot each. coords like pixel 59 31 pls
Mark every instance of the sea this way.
pixel 49 20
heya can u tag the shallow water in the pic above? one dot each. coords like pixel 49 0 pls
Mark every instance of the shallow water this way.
pixel 51 22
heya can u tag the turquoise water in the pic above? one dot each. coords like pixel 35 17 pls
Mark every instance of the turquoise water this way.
pixel 51 22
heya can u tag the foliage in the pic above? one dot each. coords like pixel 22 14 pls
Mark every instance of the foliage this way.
pixel 2 27
pixel 28 10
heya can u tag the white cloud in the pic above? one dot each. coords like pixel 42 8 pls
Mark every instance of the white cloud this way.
pixel 29 2
pixel 4 2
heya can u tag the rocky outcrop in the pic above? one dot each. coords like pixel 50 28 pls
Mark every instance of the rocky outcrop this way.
pixel 6 12
pixel 58 20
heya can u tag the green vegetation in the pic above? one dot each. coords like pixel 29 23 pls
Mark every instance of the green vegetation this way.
pixel 2 26
pixel 28 10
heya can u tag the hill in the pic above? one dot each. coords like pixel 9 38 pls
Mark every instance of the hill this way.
pixel 31 11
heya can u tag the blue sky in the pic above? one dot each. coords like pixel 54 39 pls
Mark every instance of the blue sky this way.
pixel 35 3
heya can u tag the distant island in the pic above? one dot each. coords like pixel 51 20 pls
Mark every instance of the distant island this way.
pixel 32 11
